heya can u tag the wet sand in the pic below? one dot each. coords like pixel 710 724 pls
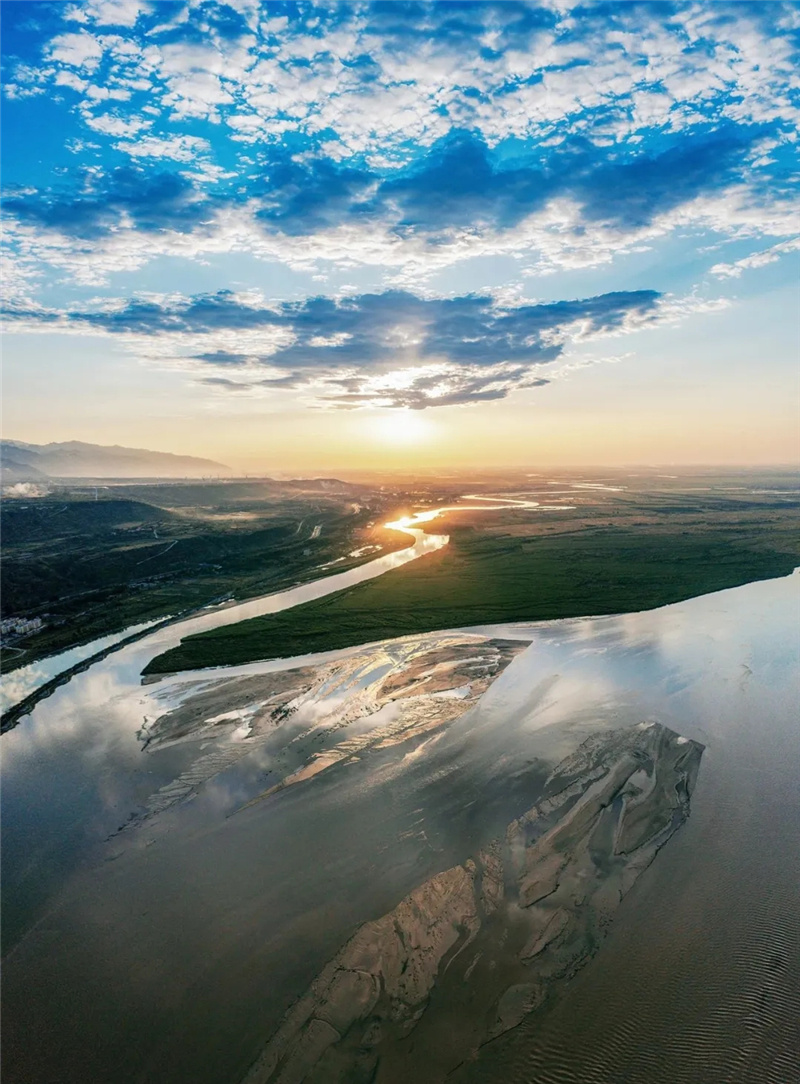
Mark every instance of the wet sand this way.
pixel 473 951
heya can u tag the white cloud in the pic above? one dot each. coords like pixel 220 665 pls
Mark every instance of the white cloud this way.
pixel 70 79
pixel 107 12
pixel 178 148
pixel 103 94
pixel 81 50
pixel 641 70
pixel 321 341
pixel 19 278
pixel 555 238
pixel 114 125
pixel 756 259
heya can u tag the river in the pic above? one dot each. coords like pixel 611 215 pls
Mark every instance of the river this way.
pixel 25 680
pixel 20 683
pixel 168 952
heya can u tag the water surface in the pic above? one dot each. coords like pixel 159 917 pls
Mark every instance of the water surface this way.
pixel 169 952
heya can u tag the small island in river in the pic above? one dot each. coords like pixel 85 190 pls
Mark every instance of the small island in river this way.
pixel 471 952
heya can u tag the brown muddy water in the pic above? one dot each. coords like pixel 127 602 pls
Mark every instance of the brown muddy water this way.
pixel 169 951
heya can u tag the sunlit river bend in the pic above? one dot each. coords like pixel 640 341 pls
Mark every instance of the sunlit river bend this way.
pixel 23 681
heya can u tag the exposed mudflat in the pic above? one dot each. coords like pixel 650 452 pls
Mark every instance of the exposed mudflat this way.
pixel 392 693
pixel 474 950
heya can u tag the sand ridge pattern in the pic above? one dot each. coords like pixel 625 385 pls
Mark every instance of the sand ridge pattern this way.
pixel 473 951
pixel 431 680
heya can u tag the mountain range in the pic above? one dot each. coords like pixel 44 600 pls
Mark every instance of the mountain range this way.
pixel 75 459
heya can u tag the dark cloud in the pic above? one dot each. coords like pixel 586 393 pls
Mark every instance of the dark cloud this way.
pixel 224 384
pixel 487 348
pixel 462 184
pixel 459 184
pixel 631 194
pixel 459 23
pixel 222 357
pixel 380 328
pixel 200 315
pixel 291 380
pixel 459 388
pixel 152 202
pixel 304 197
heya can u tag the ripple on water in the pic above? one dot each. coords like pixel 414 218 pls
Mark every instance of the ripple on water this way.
pixel 698 981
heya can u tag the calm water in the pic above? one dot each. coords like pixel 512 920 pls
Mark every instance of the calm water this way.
pixel 168 953
pixel 21 682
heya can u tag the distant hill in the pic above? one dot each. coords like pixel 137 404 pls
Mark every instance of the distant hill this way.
pixel 75 459
pixel 18 466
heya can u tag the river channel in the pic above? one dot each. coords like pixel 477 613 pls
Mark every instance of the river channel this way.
pixel 168 951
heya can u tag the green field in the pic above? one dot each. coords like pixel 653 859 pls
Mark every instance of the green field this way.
pixel 90 567
pixel 487 576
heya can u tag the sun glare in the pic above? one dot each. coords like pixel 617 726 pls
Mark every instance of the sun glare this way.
pixel 402 427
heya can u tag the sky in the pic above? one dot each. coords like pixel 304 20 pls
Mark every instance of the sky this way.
pixel 400 235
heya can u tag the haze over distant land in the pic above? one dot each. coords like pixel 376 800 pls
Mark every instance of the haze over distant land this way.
pixel 346 236
pixel 423 708
pixel 76 459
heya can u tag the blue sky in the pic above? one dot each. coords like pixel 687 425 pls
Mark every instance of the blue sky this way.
pixel 297 210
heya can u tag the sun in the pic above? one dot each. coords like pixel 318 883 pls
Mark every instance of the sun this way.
pixel 401 427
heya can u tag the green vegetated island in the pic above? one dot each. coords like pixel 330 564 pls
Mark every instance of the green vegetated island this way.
pixel 615 554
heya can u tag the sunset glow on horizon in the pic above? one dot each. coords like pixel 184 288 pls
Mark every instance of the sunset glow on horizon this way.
pixel 357 237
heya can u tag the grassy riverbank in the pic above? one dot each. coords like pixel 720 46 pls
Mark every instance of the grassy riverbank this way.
pixel 87 568
pixel 485 577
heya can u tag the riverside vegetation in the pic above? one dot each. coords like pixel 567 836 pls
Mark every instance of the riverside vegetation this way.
pixel 91 561
pixel 613 552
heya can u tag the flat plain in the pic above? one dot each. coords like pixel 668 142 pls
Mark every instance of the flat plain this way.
pixel 618 545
